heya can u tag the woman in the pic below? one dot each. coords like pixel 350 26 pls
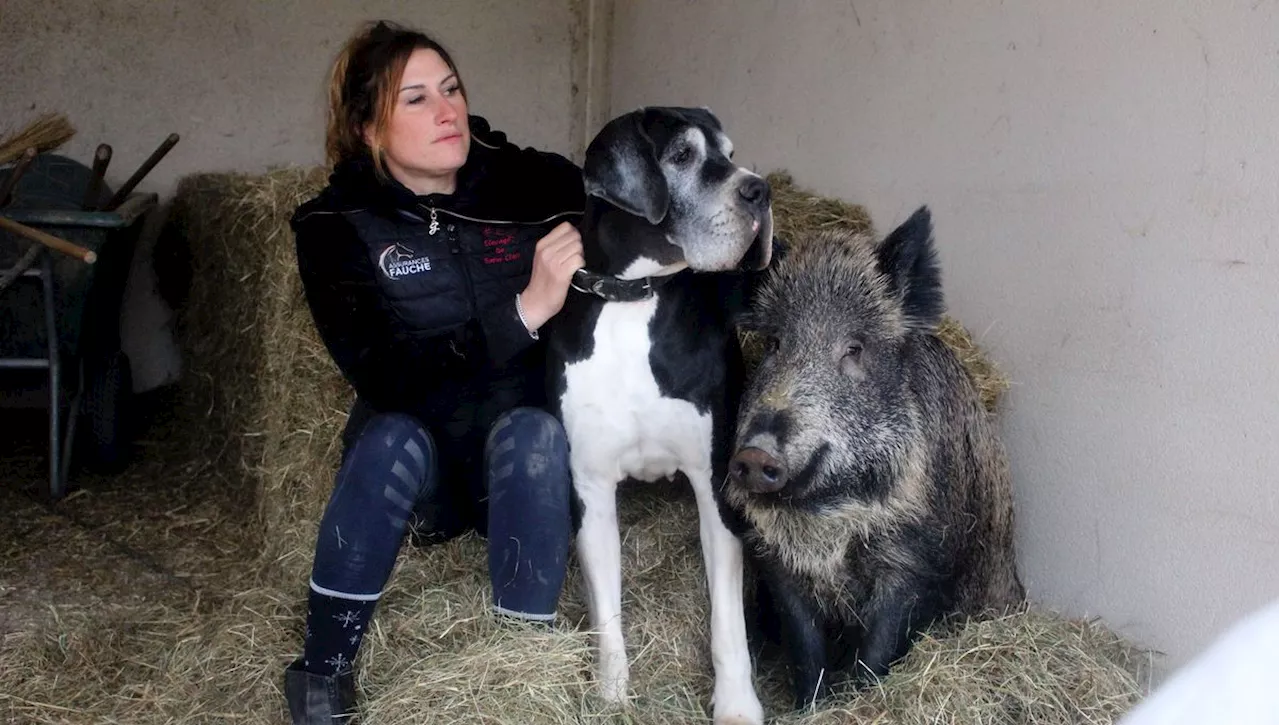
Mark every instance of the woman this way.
pixel 429 263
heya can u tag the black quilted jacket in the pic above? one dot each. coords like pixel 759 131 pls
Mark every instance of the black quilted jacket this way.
pixel 414 296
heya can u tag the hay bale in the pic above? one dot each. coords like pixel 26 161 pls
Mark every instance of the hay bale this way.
pixel 799 213
pixel 267 400
pixel 265 393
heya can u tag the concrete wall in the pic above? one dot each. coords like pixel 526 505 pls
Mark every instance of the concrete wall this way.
pixel 242 81
pixel 1103 181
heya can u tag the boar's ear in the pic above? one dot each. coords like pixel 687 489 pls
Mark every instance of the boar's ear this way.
pixel 745 319
pixel 907 258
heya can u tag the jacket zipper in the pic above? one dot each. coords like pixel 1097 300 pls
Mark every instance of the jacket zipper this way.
pixel 551 218
pixel 455 250
pixel 432 211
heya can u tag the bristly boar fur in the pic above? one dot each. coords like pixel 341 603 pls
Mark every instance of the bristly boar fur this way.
pixel 875 491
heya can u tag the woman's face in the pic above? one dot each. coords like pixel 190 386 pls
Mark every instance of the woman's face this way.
pixel 427 137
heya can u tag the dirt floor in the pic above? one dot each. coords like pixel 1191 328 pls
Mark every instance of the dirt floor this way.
pixel 117 542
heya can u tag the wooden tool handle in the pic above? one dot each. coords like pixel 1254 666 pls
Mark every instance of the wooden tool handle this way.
pixel 87 256
pixel 142 171
pixel 101 158
pixel 20 168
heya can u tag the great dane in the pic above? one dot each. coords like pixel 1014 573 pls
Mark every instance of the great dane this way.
pixel 645 367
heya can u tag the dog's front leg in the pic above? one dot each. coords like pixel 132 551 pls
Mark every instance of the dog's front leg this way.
pixel 600 556
pixel 735 701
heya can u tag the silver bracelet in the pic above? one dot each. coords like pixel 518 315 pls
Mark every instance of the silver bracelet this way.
pixel 520 311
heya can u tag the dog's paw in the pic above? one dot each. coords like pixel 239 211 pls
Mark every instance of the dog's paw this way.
pixel 737 708
pixel 613 691
pixel 613 683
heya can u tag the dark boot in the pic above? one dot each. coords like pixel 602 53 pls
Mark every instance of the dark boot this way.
pixel 317 699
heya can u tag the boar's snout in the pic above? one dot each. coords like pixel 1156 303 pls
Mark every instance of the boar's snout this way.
pixel 757 471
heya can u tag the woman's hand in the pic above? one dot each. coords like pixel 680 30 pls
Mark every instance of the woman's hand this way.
pixel 557 256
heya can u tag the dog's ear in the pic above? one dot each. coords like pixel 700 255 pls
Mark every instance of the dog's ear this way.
pixel 621 167
pixel 700 116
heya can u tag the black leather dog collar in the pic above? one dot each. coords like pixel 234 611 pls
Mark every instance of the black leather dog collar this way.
pixel 611 289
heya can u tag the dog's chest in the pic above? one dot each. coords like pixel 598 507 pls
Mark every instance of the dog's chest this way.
pixel 617 419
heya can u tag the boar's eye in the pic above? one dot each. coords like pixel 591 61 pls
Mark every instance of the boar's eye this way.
pixel 770 344
pixel 851 360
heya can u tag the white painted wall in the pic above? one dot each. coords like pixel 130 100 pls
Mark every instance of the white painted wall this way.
pixel 1103 181
pixel 242 82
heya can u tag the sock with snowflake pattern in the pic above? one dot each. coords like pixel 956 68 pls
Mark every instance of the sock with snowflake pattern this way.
pixel 335 626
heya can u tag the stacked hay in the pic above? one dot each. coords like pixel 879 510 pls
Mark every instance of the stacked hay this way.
pixel 267 400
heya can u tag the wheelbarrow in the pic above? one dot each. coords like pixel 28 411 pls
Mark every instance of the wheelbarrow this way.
pixel 60 316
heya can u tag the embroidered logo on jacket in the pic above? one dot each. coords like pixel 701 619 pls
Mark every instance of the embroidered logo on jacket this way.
pixel 398 261
pixel 499 246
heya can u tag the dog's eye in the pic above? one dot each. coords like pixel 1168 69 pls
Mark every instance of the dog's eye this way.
pixel 682 156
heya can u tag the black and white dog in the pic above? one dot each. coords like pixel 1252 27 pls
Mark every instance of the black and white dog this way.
pixel 645 368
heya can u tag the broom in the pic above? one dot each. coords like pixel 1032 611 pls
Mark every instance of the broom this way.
pixel 43 134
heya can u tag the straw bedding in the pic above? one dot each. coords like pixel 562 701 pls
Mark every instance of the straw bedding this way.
pixel 256 442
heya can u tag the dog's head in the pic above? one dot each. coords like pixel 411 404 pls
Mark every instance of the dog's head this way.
pixel 672 171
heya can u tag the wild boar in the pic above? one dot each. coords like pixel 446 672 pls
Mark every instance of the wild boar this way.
pixel 874 490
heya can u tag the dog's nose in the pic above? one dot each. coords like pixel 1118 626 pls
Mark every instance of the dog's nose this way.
pixel 757 471
pixel 754 190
